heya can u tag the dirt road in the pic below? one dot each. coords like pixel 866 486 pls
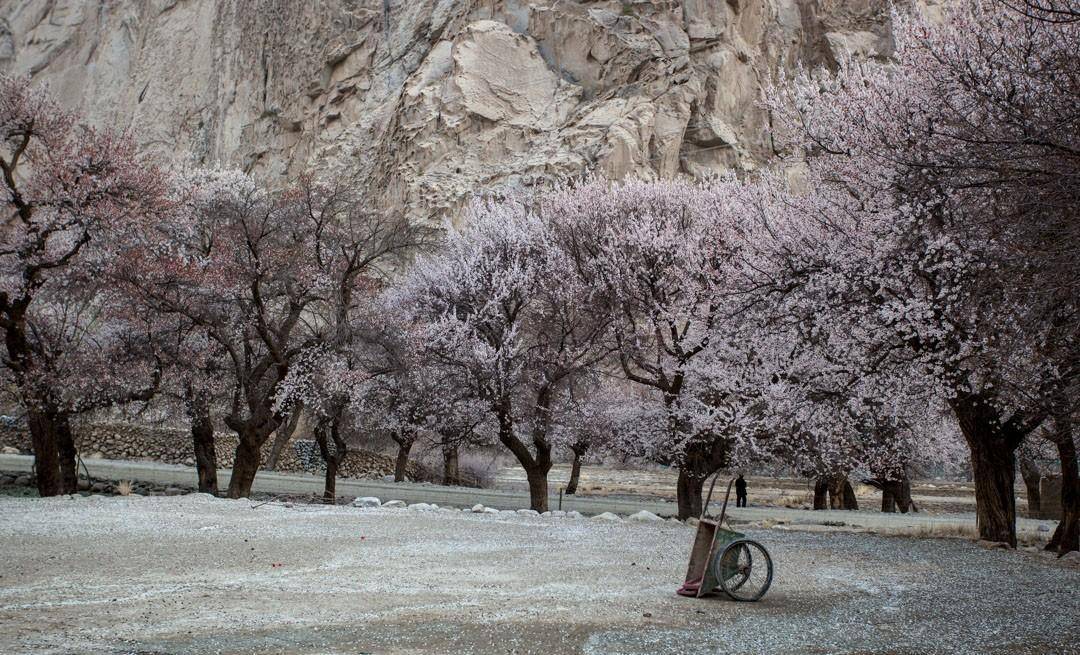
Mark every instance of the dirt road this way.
pixel 274 483
pixel 193 574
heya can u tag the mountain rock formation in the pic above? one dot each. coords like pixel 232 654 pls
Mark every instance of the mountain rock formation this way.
pixel 431 101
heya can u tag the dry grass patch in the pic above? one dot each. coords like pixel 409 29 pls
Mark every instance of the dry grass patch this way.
pixel 863 490
pixel 934 531
pixel 792 501
pixel 960 531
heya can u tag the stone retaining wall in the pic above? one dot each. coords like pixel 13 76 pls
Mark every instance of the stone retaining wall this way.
pixel 1049 498
pixel 171 446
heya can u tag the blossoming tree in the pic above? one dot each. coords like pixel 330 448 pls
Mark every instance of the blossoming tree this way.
pixel 943 182
pixel 503 311
pixel 67 191
pixel 266 276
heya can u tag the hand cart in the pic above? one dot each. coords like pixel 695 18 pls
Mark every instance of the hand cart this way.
pixel 725 560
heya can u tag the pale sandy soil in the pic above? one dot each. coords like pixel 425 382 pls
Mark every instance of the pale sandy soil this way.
pixel 193 574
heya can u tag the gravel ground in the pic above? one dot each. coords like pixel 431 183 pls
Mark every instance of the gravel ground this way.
pixel 194 574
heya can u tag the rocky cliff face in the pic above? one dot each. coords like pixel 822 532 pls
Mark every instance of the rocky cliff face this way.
pixel 429 101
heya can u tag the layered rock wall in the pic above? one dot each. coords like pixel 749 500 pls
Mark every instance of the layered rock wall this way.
pixel 431 101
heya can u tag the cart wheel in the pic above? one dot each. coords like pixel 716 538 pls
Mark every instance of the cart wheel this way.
pixel 744 570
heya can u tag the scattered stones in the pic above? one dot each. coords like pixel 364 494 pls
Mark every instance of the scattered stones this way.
pixel 9 450
pixel 490 510
pixel 22 480
pixel 99 487
pixel 174 491
pixel 528 512
pixel 367 501
pixel 607 516
pixel 993 545
pixel 574 515
pixel 394 504
pixel 1071 556
pixel 1043 528
pixel 558 513
pixel 644 516
pixel 478 508
pixel 423 507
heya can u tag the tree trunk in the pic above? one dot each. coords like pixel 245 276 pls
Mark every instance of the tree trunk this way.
pixel 202 438
pixel 536 465
pixel 575 475
pixel 849 499
pixel 703 460
pixel 821 493
pixel 405 444
pixel 538 488
pixel 1031 476
pixel 282 437
pixel 330 481
pixel 903 496
pixel 69 456
pixel 841 494
pixel 888 497
pixel 333 458
pixel 995 499
pixel 43 440
pixel 993 466
pixel 688 493
pixel 1067 535
pixel 451 470
pixel 836 492
pixel 895 494
pixel 246 464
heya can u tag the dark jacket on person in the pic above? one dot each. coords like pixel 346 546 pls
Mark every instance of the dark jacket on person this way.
pixel 740 486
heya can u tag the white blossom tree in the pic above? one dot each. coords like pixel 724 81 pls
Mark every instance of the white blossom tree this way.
pixel 942 186
pixel 501 309
pixel 665 256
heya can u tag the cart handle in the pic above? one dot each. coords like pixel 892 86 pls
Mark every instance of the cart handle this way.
pixel 708 499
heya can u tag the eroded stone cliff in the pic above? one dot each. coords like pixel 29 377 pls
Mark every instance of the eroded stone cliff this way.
pixel 433 100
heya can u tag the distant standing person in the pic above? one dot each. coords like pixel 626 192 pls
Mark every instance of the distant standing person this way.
pixel 740 492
